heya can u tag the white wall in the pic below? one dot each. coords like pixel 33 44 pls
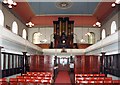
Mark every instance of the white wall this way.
pixel 46 31
pixel 9 18
pixel 108 21
pixel 77 31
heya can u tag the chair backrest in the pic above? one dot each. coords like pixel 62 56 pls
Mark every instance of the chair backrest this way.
pixel 108 82
pixel 13 81
pixel 99 82
pixel 3 81
pixel 116 81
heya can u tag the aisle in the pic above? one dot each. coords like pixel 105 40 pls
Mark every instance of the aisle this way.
pixel 63 78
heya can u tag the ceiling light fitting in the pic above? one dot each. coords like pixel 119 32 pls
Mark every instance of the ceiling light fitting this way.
pixel 30 24
pixel 10 3
pixel 98 24
pixel 115 3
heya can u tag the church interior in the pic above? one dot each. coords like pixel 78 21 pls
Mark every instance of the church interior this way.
pixel 62 42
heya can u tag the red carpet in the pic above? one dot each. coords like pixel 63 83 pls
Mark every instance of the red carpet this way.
pixel 63 78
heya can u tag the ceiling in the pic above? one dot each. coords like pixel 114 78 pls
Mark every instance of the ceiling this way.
pixel 51 8
pixel 44 13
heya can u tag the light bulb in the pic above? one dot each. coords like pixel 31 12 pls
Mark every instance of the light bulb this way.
pixel 97 23
pixel 10 6
pixel 26 23
pixel 113 5
pixel 88 34
pixel 117 1
pixel 14 3
pixel 10 2
pixel 94 25
pixel 5 2
pixel 82 40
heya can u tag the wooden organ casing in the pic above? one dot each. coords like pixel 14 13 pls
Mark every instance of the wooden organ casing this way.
pixel 63 33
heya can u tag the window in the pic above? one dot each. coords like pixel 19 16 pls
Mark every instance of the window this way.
pixel 91 38
pixel 15 27
pixel 1 18
pixel 36 38
pixel 24 34
pixel 113 27
pixel 103 34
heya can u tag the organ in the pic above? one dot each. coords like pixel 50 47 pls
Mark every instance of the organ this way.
pixel 63 33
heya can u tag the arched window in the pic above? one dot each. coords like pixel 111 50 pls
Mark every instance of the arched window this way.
pixel 91 38
pixel 15 27
pixel 1 18
pixel 36 38
pixel 24 34
pixel 113 27
pixel 103 34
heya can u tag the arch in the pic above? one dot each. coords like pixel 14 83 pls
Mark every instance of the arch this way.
pixel 113 27
pixel 103 34
pixel 91 38
pixel 36 38
pixel 24 33
pixel 1 18
pixel 15 27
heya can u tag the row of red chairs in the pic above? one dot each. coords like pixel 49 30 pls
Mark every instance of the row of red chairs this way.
pixel 39 73
pixel 15 81
pixel 28 81
pixel 94 78
pixel 112 82
pixel 33 77
pixel 89 75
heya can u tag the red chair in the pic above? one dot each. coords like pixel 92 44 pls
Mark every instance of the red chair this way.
pixel 102 75
pixel 19 77
pixel 96 75
pixel 27 77
pixel 3 81
pixel 90 75
pixel 94 79
pixel 108 83
pixel 24 74
pixel 99 82
pixel 82 82
pixel 91 82
pixel 13 81
pixel 22 81
pixel 116 82
pixel 46 81
pixel 84 75
pixel 100 79
pixel 108 79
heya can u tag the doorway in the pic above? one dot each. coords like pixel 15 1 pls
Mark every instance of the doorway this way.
pixel 63 64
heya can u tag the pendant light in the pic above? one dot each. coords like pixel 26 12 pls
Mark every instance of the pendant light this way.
pixel 39 32
pixel 45 40
pixel 82 40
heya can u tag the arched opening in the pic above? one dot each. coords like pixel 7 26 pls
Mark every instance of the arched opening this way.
pixel 103 34
pixel 91 38
pixel 1 18
pixel 113 27
pixel 24 34
pixel 15 27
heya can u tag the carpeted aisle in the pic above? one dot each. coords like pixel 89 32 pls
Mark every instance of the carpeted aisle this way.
pixel 63 78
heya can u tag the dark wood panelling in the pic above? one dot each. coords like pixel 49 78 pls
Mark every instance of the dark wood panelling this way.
pixel 83 46
pixel 41 63
pixel 44 46
pixel 10 70
pixel 112 64
pixel 87 64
